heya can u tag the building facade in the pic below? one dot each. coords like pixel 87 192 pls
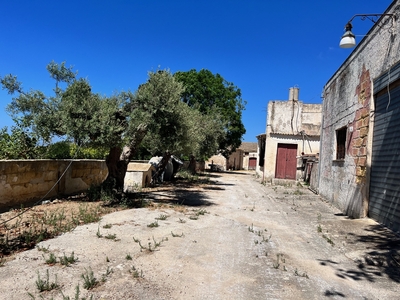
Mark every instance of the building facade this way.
pixel 293 130
pixel 360 137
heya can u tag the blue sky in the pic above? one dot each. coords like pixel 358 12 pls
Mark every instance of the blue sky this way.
pixel 263 47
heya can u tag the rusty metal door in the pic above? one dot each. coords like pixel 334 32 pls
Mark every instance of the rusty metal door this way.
pixel 286 162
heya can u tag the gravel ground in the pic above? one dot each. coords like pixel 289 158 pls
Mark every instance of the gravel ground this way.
pixel 231 239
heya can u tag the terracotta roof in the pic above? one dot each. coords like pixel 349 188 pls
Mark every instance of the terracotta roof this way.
pixel 248 147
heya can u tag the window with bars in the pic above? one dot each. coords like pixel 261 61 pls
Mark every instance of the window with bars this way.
pixel 341 143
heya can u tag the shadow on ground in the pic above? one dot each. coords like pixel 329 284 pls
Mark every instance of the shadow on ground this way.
pixel 378 259
pixel 180 196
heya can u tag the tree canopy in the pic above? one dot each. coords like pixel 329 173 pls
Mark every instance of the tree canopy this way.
pixel 154 116
pixel 212 94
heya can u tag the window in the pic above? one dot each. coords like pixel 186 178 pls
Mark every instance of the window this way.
pixel 341 143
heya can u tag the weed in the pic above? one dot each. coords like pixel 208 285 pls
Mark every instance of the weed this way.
pixel 319 228
pixel 182 220
pixel 268 239
pixel 201 212
pixel 43 249
pixel 109 271
pixel 319 217
pixel 328 240
pixel 46 285
pixel 89 281
pixel 135 272
pixel 107 226
pixel 162 217
pixel 296 273
pixel 68 260
pixel 154 224
pixel 98 234
pixel 150 247
pixel 111 236
pixel 196 217
pixel 279 259
pixel 251 229
pixel 77 293
pixel 176 235
pixel 52 260
pixel 128 257
pixel 107 259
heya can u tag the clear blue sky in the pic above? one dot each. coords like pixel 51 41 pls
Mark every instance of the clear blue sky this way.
pixel 263 47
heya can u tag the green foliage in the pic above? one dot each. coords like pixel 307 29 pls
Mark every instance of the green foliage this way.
pixel 59 150
pixel 17 145
pixel 89 281
pixel 45 284
pixel 211 94
pixel 154 119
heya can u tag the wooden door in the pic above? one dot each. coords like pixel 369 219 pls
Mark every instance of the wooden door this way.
pixel 286 161
pixel 252 163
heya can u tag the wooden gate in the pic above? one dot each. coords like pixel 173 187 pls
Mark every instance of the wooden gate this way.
pixel 286 162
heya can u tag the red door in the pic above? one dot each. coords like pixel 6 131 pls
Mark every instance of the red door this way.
pixel 252 163
pixel 286 162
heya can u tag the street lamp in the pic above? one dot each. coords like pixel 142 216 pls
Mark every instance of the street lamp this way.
pixel 348 39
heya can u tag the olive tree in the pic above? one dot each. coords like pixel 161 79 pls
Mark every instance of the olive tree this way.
pixel 153 114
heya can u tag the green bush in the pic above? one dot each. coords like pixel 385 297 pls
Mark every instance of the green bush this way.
pixel 59 150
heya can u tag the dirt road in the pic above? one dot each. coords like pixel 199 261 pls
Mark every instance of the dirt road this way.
pixel 233 239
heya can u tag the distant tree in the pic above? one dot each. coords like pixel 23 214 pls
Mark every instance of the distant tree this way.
pixel 212 94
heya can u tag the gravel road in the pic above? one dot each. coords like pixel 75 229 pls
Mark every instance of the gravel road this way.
pixel 232 239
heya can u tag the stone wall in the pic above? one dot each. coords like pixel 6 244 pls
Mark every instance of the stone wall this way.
pixel 23 182
pixel 348 104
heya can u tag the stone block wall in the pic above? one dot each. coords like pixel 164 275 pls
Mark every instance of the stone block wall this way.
pixel 348 104
pixel 23 182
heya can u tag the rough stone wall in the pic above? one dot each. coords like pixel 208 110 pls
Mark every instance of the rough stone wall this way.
pixel 216 160
pixel 235 161
pixel 348 103
pixel 25 181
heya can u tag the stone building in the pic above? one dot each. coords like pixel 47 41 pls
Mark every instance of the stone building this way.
pixel 249 155
pixel 360 138
pixel 244 158
pixel 293 130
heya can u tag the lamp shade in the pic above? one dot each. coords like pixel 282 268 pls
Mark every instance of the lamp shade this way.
pixel 348 40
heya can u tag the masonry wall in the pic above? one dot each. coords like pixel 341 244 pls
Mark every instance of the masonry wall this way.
pixel 24 181
pixel 348 103
pixel 235 161
pixel 291 122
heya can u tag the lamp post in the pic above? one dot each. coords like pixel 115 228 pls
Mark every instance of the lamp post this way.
pixel 348 39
